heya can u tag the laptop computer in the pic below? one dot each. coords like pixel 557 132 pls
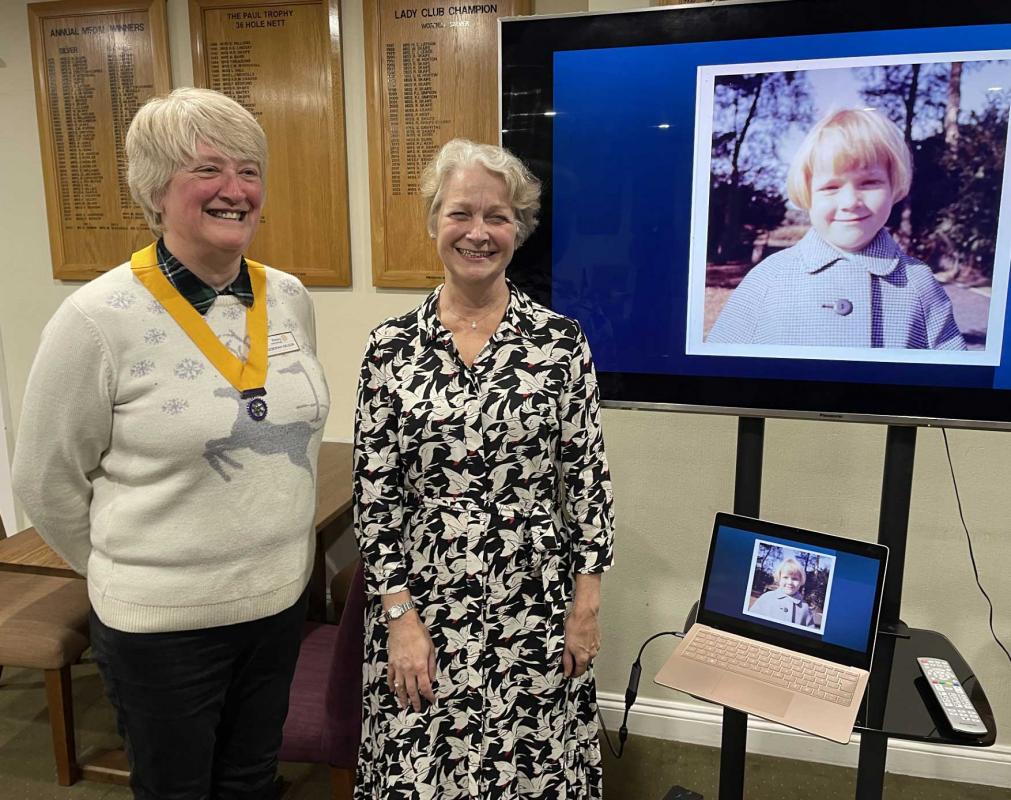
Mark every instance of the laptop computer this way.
pixel 785 626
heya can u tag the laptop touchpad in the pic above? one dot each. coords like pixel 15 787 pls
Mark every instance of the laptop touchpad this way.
pixel 737 691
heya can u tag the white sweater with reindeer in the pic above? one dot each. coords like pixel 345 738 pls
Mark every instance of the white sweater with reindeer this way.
pixel 139 465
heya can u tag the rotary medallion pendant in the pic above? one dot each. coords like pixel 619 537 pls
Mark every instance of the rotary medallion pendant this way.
pixel 257 409
pixel 257 405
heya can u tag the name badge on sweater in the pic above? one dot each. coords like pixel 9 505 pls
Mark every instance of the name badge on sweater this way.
pixel 280 343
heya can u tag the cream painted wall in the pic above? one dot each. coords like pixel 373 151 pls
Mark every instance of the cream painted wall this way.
pixel 671 471
pixel 559 6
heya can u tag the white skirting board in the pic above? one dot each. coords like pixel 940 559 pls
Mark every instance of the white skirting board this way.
pixel 695 723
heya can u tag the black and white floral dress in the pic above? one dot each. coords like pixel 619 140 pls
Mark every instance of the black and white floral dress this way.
pixel 483 489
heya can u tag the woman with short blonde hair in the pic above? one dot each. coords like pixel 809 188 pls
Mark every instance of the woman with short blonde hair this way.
pixel 164 135
pixel 484 516
pixel 168 452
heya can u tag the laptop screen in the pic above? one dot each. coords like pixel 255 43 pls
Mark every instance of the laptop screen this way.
pixel 806 591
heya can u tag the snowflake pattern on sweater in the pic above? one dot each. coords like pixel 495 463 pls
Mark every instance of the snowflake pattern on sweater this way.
pixel 183 510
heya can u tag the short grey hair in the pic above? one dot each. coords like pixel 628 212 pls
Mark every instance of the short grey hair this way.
pixel 164 135
pixel 524 188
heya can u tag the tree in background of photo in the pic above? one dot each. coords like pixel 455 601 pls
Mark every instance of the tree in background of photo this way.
pixel 768 558
pixel 750 113
pixel 949 220
pixel 817 581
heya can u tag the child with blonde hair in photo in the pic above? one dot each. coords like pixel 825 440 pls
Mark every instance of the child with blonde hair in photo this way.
pixel 786 603
pixel 846 283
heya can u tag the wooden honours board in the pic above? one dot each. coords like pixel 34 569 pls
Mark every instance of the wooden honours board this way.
pixel 432 75
pixel 95 63
pixel 282 61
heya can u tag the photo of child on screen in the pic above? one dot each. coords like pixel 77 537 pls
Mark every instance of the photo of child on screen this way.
pixel 785 603
pixel 846 283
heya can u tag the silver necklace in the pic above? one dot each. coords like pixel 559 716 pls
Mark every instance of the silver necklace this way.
pixel 472 322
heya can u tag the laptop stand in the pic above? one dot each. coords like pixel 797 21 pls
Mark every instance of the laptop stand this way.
pixel 898 703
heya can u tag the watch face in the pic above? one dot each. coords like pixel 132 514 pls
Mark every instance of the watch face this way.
pixel 397 611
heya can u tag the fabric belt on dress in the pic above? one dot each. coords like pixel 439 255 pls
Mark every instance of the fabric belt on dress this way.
pixel 546 550
pixel 539 520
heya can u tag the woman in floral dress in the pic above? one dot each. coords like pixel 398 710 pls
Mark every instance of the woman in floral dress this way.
pixel 484 519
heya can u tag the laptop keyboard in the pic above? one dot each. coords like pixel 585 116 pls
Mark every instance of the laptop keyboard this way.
pixel 776 667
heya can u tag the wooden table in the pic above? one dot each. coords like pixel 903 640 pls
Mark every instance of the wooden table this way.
pixel 27 552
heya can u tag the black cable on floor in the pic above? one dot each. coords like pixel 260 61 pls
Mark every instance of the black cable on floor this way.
pixel 630 694
pixel 968 538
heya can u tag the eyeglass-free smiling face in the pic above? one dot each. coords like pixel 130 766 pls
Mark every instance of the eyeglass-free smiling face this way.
pixel 211 208
pixel 476 229
pixel 849 206
pixel 790 582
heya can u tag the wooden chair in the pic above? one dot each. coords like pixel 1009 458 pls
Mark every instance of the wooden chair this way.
pixel 44 625
pixel 325 704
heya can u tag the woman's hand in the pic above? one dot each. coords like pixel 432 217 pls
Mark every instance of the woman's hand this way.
pixel 410 671
pixel 582 630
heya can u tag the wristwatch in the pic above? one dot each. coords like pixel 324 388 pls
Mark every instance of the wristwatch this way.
pixel 397 611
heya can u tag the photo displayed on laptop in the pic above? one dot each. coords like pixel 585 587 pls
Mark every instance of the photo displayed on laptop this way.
pixel 745 567
pixel 789 585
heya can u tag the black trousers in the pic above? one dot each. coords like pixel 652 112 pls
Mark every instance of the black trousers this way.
pixel 201 711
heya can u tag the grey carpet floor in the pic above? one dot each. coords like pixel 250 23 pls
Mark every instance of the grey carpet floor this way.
pixel 649 768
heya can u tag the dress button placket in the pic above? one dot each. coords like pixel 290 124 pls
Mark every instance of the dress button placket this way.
pixel 479 526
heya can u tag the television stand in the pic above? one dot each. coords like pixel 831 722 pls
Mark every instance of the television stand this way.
pixel 898 703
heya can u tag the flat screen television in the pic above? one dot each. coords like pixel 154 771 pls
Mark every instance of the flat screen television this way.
pixel 729 213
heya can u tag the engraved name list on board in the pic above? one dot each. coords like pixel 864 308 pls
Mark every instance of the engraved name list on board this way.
pixel 432 75
pixel 95 64
pixel 282 62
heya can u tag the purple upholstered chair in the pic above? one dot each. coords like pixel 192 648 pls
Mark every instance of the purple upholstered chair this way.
pixel 324 721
